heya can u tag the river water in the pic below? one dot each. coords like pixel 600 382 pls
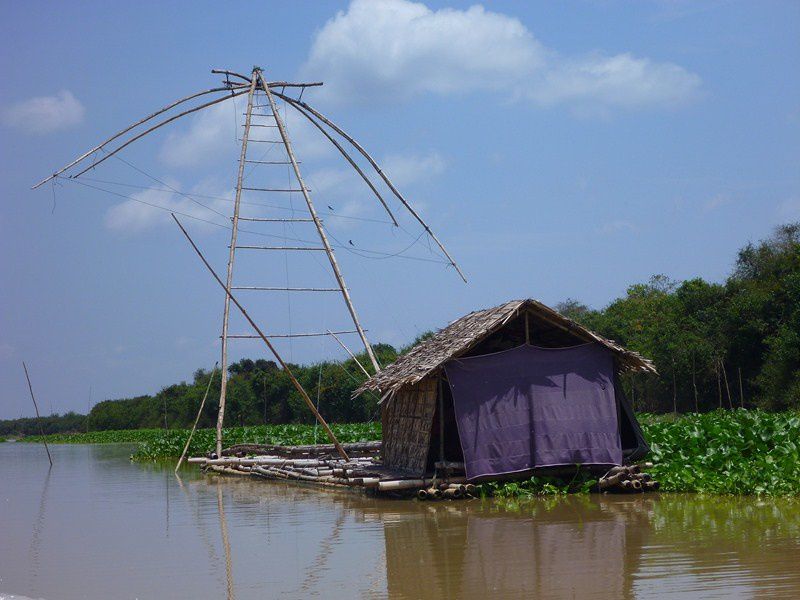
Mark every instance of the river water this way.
pixel 98 526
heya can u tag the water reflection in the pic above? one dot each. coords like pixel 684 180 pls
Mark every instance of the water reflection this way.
pixel 127 531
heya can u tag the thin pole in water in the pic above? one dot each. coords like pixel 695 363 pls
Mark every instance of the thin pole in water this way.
pixel 38 418
pixel 197 418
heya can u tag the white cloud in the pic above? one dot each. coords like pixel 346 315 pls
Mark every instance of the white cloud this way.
pixel 380 50
pixel 45 114
pixel 142 212
pixel 622 81
pixel 217 131
pixel 396 48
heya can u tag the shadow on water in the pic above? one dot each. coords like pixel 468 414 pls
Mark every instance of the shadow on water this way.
pixel 104 518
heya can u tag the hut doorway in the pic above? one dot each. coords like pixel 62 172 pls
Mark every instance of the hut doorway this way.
pixel 445 441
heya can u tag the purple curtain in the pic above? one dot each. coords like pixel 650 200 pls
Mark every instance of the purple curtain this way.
pixel 535 407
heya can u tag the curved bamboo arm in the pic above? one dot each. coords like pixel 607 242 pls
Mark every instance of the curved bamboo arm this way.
pixel 156 126
pixel 380 172
pixel 126 130
pixel 233 73
pixel 347 157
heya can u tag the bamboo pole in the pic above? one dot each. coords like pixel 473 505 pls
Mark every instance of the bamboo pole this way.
pixel 223 389
pixel 741 389
pixel 126 130
pixel 197 418
pixel 407 484
pixel 156 126
pixel 727 387
pixel 527 328
pixel 269 345
pixel 349 159
pixel 312 211
pixel 38 418
pixel 357 146
pixel 441 418
pixel 353 356
pixel 674 390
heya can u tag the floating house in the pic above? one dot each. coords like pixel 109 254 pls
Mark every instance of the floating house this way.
pixel 506 391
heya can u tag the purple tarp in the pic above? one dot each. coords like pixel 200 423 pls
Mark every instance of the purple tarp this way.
pixel 535 407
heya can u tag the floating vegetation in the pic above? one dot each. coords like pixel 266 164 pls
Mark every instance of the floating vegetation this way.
pixel 739 452
pixel 727 452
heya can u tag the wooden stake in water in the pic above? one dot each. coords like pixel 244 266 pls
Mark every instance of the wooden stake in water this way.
pixel 38 418
pixel 197 418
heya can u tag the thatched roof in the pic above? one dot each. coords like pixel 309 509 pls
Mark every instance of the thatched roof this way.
pixel 462 335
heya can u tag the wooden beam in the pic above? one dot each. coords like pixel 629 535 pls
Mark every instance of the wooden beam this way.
pixel 126 130
pixel 380 172
pixel 231 256
pixel 161 124
pixel 349 159
pixel 322 235
pixel 197 418
pixel 346 349
pixel 269 345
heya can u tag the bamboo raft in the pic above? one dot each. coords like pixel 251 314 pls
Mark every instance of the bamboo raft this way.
pixel 320 465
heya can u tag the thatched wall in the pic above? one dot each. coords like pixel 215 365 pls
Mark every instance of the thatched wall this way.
pixel 407 422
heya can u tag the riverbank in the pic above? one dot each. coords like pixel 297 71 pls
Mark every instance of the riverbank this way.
pixel 739 452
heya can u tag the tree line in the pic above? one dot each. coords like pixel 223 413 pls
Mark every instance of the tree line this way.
pixel 715 345
pixel 729 344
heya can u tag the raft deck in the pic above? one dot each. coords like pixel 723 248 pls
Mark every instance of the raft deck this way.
pixel 320 464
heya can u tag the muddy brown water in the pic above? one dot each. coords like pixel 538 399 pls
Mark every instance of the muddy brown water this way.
pixel 99 526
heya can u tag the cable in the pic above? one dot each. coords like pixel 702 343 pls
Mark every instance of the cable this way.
pixel 135 168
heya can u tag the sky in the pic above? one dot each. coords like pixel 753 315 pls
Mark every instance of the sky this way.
pixel 558 150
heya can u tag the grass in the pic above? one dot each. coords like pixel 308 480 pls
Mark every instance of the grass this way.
pixel 739 452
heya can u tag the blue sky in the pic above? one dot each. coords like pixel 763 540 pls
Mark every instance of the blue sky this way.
pixel 557 149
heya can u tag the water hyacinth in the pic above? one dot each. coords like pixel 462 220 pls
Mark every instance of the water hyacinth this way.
pixel 727 452
pixel 170 443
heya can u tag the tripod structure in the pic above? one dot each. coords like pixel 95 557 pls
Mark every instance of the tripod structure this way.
pixel 264 124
